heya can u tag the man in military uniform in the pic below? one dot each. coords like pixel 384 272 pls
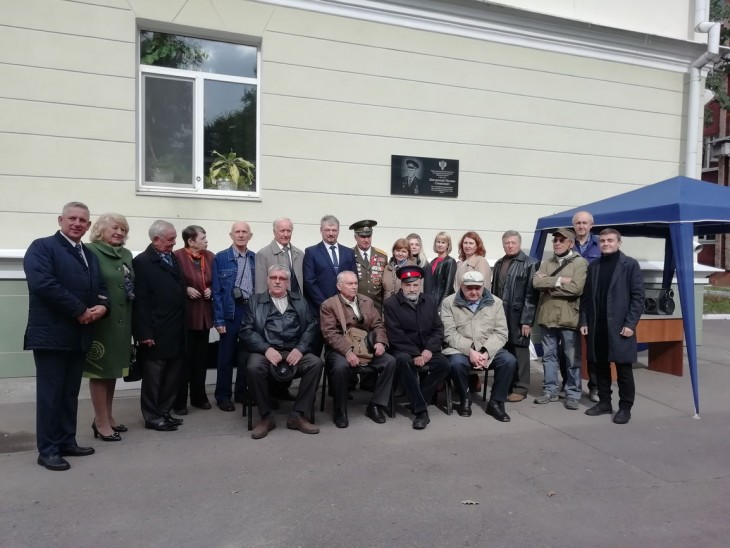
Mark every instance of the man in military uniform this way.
pixel 411 183
pixel 370 263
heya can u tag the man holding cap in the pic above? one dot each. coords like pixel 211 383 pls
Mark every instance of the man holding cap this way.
pixel 370 263
pixel 278 330
pixel 416 334
pixel 475 331
pixel 560 280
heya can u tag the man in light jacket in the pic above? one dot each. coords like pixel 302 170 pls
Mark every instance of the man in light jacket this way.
pixel 475 330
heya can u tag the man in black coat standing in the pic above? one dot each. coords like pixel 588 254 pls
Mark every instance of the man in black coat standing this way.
pixel 416 336
pixel 512 282
pixel 610 309
pixel 66 295
pixel 159 326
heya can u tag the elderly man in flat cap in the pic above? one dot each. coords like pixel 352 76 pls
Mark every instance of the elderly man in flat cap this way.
pixel 560 280
pixel 475 332
pixel 370 263
pixel 416 334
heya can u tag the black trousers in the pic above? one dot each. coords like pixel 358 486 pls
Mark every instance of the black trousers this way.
pixel 340 373
pixel 421 391
pixel 195 366
pixel 521 380
pixel 258 375
pixel 160 382
pixel 58 380
pixel 602 368
pixel 504 365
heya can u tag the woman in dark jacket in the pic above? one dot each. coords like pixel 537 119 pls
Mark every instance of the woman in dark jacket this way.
pixel 443 269
pixel 196 263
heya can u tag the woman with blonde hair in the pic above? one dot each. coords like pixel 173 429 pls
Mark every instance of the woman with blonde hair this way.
pixel 110 351
pixel 443 268
pixel 472 257
pixel 417 255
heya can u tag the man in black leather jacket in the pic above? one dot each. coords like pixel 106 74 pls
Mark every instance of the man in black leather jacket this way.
pixel 279 329
pixel 512 282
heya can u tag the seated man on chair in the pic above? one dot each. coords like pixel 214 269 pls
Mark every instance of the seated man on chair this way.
pixel 278 329
pixel 416 333
pixel 357 311
pixel 475 330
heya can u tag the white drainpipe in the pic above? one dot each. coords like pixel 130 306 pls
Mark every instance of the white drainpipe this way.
pixel 695 84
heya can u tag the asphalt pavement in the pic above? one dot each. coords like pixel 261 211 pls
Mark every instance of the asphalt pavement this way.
pixel 550 478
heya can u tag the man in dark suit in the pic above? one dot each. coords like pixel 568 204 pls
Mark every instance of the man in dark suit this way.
pixel 610 309
pixel 66 295
pixel 416 335
pixel 322 263
pixel 159 326
pixel 410 182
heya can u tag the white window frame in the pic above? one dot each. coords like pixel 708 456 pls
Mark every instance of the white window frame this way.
pixel 196 189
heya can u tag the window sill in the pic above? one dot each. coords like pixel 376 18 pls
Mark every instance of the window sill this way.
pixel 200 194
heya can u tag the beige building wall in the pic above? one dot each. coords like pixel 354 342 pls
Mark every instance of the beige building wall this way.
pixel 535 131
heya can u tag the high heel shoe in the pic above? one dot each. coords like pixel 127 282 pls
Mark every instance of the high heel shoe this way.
pixel 114 437
pixel 119 428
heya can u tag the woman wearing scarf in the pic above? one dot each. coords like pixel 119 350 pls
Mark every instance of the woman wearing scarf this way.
pixel 196 263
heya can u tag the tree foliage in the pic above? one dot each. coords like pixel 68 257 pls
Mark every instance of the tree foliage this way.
pixel 716 80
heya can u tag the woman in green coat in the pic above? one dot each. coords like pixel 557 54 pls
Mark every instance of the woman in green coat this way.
pixel 109 356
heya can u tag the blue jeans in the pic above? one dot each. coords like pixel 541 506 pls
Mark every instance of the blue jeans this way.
pixel 228 350
pixel 551 336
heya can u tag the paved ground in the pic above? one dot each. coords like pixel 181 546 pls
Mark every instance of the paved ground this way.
pixel 550 478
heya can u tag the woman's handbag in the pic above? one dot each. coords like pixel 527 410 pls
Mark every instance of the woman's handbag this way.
pixel 135 366
pixel 360 339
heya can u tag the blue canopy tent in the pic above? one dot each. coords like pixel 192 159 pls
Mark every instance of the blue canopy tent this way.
pixel 677 210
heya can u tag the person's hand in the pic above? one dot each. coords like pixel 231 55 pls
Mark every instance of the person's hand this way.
pixel 272 355
pixel 476 359
pixel 207 294
pixel 98 312
pixel 193 293
pixel 418 361
pixel 541 275
pixel 147 342
pixel 379 349
pixel 565 279
pixel 221 329
pixel 427 355
pixel 86 318
pixel 526 330
pixel 294 357
pixel 627 332
pixel 352 359
pixel 584 330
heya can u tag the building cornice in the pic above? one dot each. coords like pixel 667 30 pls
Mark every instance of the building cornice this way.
pixel 504 25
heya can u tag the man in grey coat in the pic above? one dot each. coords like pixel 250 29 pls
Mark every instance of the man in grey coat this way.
pixel 280 251
pixel 610 309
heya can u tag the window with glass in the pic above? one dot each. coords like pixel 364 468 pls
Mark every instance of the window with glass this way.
pixel 198 115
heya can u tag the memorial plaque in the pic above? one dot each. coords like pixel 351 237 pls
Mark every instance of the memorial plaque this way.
pixel 418 176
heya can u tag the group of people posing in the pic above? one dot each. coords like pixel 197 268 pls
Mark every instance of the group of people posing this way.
pixel 282 313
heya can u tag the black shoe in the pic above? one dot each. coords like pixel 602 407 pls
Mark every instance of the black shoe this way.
pixel 496 409
pixel 181 411
pixel 465 408
pixel 226 405
pixel 203 405
pixel 160 426
pixel 173 420
pixel 120 428
pixel 113 437
pixel 75 451
pixel 622 416
pixel 375 413
pixel 599 409
pixel 340 419
pixel 421 420
pixel 54 462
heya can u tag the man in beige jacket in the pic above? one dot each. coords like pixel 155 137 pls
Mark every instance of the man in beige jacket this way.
pixel 560 280
pixel 475 330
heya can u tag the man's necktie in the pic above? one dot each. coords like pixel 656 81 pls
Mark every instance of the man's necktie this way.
pixel 365 256
pixel 334 259
pixel 293 283
pixel 167 258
